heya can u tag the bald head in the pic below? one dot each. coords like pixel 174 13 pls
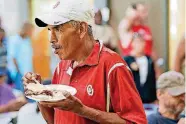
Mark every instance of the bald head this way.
pixel 27 29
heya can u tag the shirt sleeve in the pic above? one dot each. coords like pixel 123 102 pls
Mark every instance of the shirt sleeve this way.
pixel 125 99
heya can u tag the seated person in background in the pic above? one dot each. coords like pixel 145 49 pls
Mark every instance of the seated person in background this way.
pixel 8 102
pixel 171 94
pixel 142 68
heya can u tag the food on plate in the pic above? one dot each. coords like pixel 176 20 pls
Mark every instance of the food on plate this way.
pixel 43 92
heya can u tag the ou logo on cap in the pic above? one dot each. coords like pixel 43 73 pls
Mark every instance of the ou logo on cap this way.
pixel 90 90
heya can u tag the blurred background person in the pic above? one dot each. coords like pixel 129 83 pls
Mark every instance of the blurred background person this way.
pixel 171 96
pixel 104 32
pixel 125 31
pixel 20 54
pixel 179 64
pixel 142 68
pixel 8 101
pixel 3 56
pixel 135 21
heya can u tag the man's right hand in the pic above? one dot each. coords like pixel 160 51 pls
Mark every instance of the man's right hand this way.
pixel 48 113
pixel 30 77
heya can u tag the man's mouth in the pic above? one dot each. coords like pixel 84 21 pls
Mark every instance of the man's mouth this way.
pixel 56 48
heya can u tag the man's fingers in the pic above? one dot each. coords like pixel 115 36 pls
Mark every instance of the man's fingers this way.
pixel 36 77
pixel 28 75
pixel 69 96
pixel 66 94
pixel 24 79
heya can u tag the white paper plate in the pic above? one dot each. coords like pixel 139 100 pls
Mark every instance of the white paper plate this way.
pixel 40 98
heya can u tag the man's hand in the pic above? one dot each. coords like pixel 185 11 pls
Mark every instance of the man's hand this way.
pixel 71 103
pixel 31 77
pixel 181 121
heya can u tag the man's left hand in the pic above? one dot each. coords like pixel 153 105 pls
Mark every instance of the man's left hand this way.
pixel 71 103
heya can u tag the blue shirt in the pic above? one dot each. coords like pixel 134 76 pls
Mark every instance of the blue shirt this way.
pixel 157 118
pixel 20 49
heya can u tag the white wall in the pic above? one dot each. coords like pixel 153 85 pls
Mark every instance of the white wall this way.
pixel 100 3
pixel 13 14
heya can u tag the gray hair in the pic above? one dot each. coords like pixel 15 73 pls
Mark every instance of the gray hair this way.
pixel 76 25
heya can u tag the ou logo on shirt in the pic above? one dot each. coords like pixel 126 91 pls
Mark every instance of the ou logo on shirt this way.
pixel 90 90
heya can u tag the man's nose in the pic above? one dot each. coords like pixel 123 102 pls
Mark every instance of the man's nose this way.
pixel 53 38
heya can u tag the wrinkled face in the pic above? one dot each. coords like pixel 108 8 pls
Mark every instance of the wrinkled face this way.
pixel 66 40
pixel 138 45
pixel 174 104
pixel 142 12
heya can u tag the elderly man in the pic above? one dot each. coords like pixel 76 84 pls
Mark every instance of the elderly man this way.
pixel 106 92
pixel 171 96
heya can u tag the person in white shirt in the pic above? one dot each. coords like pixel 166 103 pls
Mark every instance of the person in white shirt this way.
pixel 142 68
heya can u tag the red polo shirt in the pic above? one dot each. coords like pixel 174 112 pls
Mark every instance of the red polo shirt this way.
pixel 91 80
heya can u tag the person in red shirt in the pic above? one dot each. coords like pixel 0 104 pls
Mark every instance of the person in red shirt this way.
pixel 134 22
pixel 106 92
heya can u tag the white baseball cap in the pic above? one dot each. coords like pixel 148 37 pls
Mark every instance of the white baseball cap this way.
pixel 66 10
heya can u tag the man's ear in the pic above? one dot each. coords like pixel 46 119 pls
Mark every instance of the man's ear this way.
pixel 159 93
pixel 83 29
